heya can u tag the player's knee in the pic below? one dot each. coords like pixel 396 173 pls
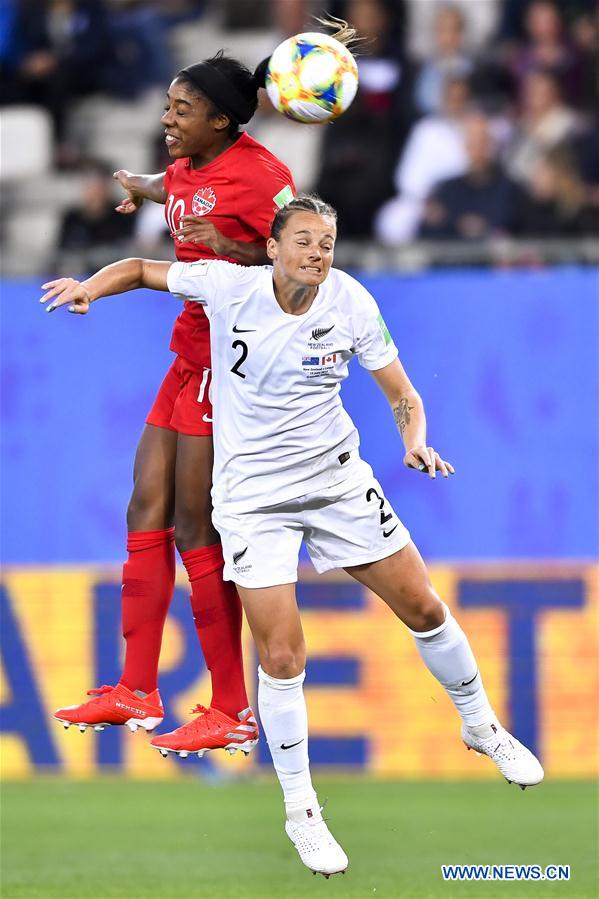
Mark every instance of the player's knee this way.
pixel 194 532
pixel 429 614
pixel 284 661
pixel 148 512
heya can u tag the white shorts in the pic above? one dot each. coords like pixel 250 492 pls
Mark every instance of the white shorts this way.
pixel 349 524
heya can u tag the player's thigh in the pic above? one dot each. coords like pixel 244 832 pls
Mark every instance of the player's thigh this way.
pixel 193 481
pixel 151 506
pixel 260 548
pixel 402 581
pixel 352 523
pixel 276 627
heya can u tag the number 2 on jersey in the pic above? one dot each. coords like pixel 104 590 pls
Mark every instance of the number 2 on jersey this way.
pixel 242 358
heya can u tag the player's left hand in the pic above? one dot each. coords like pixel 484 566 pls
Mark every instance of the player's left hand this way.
pixel 195 229
pixel 64 291
pixel 426 460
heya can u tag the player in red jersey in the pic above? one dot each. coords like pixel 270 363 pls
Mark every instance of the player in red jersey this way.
pixel 220 196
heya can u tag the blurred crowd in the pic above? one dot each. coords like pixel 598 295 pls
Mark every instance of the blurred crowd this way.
pixel 474 118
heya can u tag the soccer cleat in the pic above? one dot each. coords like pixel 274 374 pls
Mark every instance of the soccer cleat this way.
pixel 212 729
pixel 517 763
pixel 114 706
pixel 316 845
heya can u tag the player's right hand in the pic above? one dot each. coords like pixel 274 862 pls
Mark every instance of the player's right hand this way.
pixel 64 291
pixel 134 198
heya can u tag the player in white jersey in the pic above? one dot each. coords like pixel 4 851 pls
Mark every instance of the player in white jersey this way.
pixel 287 469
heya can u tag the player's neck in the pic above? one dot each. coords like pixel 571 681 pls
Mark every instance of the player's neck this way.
pixel 209 154
pixel 294 298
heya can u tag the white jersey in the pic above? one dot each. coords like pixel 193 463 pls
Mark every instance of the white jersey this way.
pixel 279 424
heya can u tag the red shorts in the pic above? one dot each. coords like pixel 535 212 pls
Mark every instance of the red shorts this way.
pixel 183 400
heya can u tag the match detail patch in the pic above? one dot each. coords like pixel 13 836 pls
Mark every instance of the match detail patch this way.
pixel 384 329
pixel 200 267
pixel 283 197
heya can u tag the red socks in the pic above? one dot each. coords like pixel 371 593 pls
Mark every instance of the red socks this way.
pixel 148 585
pixel 217 614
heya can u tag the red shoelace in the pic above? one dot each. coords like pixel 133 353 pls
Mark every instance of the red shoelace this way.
pixel 98 692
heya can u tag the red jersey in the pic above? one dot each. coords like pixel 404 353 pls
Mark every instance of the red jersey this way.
pixel 240 191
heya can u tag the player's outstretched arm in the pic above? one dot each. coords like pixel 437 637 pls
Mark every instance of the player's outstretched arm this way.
pixel 408 411
pixel 120 277
pixel 139 188
pixel 196 229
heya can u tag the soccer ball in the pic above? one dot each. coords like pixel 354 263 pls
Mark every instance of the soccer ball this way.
pixel 311 78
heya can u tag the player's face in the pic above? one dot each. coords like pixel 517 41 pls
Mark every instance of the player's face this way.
pixel 305 249
pixel 189 128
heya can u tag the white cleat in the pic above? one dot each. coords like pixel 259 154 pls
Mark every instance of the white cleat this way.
pixel 517 763
pixel 183 754
pixel 83 728
pixel 147 724
pixel 316 846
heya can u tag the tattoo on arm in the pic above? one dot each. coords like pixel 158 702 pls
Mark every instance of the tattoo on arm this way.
pixel 402 414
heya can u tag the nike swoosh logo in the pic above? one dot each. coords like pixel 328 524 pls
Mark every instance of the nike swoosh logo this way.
pixel 237 330
pixel 465 683
pixel 388 533
pixel 239 555
pixel 291 745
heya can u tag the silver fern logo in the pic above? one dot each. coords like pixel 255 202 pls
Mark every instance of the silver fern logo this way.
pixel 319 333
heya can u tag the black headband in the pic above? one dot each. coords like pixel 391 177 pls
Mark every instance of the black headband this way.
pixel 219 89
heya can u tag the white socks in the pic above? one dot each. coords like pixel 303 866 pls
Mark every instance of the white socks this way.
pixel 446 653
pixel 284 719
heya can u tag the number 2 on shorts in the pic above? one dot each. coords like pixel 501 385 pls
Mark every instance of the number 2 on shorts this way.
pixel 369 495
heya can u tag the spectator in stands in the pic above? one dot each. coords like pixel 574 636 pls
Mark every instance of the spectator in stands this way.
pixel 545 123
pixel 585 148
pixel 64 49
pixel 480 204
pixel 480 24
pixel 142 59
pixel 556 203
pixel 513 14
pixel 94 227
pixel 585 35
pixel 292 16
pixel 547 47
pixel 434 151
pixel 9 52
pixel 450 60
pixel 360 149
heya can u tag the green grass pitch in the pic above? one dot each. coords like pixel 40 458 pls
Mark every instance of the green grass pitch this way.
pixel 192 840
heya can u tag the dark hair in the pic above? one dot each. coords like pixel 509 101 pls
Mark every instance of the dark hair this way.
pixel 227 85
pixel 301 203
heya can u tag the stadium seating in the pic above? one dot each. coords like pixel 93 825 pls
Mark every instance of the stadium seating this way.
pixel 26 141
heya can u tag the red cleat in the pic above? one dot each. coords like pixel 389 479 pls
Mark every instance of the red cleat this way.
pixel 114 706
pixel 210 730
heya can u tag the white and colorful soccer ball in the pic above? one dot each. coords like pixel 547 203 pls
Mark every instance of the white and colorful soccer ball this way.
pixel 311 78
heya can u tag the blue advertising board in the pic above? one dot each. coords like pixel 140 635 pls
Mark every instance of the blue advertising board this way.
pixel 506 363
